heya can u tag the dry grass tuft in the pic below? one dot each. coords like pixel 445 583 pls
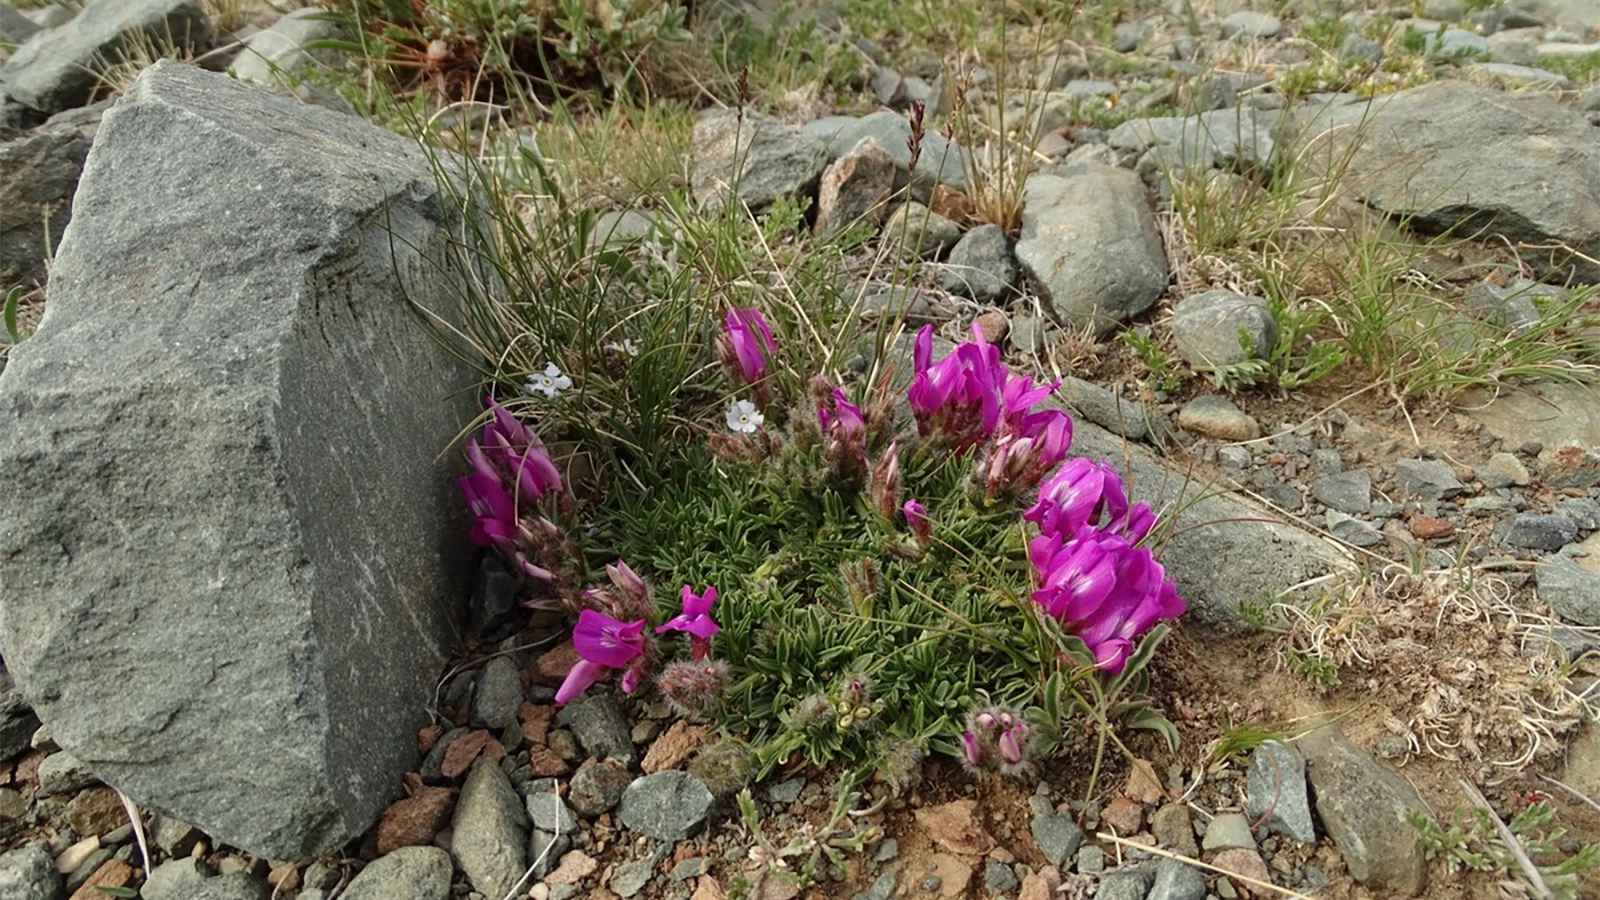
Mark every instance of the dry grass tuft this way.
pixel 1455 665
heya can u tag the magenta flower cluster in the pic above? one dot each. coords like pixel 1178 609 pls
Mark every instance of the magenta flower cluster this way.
pixel 1092 575
pixel 512 478
pixel 617 640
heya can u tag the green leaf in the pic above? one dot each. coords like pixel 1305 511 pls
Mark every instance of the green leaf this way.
pixel 1150 720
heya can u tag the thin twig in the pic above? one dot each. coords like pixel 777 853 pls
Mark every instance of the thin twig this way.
pixel 1513 846
pixel 1264 885
pixel 1574 792
pixel 138 828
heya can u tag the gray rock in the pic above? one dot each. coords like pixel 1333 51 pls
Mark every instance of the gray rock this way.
pixel 38 176
pixel 1355 48
pixel 174 879
pixel 15 28
pixel 999 877
pixel 231 886
pixel 545 850
pixel 1582 510
pixel 1091 243
pixel 1515 76
pixel 980 265
pixel 28 873
pixel 1454 156
pixel 277 56
pixel 1363 807
pixel 1127 36
pixel 597 789
pixel 432 768
pixel 1570 590
pixel 56 70
pixel 174 836
pixel 1174 829
pixel 329 622
pixel 1129 418
pixel 1457 43
pixel 1228 558
pixel 1177 880
pixel 1537 531
pixel 888 86
pixel 786 791
pixel 882 887
pixel 939 162
pixel 1503 470
pixel 1091 859
pixel 1228 831
pixel 1518 46
pixel 755 156
pixel 920 231
pixel 1242 138
pixel 1513 308
pixel 668 806
pixel 550 813
pixel 1126 884
pixel 1430 479
pixel 600 726
pixel 493 598
pixel 409 873
pixel 885 302
pixel 855 188
pixel 62 773
pixel 631 877
pixel 18 724
pixel 489 834
pixel 499 694
pixel 1348 492
pixel 1056 835
pixel 1217 417
pixel 1222 328
pixel 1251 24
pixel 1276 787
pixel 1352 530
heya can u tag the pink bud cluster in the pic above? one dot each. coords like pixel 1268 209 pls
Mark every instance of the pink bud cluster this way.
pixel 510 489
pixel 997 740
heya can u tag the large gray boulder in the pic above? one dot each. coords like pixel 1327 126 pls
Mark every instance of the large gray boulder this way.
pixel 57 69
pixel 227 542
pixel 1451 155
pixel 1090 241
pixel 38 173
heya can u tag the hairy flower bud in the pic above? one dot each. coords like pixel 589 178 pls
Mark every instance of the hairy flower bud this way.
pixel 694 688
pixel 883 486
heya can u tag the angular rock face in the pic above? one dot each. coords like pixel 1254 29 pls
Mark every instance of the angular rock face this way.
pixel 56 70
pixel 227 548
pixel 1091 243
pixel 1483 162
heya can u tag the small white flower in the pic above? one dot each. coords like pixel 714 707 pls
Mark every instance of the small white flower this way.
pixel 551 383
pixel 744 418
pixel 626 347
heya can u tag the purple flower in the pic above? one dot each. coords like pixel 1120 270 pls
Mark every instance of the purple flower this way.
pixel 749 342
pixel 696 615
pixel 917 520
pixel 1081 492
pixel 1103 589
pixel 1020 456
pixel 495 524
pixel 603 644
pixel 971 750
pixel 510 451
pixel 956 400
pixel 844 436
pixel 845 421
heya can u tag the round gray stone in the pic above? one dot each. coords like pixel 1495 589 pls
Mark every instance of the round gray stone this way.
pixel 1251 24
pixel 174 879
pixel 1177 881
pixel 1228 831
pixel 667 806
pixel 409 873
pixel 1348 492
pixel 980 264
pixel 499 694
pixel 1217 417
pixel 1537 531
pixel 1213 328
pixel 597 789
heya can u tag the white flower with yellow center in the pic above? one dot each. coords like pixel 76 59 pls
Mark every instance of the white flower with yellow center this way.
pixel 550 382
pixel 744 418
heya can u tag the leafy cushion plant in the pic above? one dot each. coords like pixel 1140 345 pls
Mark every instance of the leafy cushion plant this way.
pixel 859 563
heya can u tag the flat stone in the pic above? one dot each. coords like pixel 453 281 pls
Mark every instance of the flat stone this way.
pixel 1216 417
pixel 1177 880
pixel 920 231
pixel 668 806
pixel 1452 156
pixel 28 873
pixel 550 813
pixel 755 157
pixel 62 773
pixel 277 55
pixel 1228 831
pixel 595 790
pixel 1174 829
pixel 631 877
pixel 1348 492
pixel 410 873
pixel 599 724
pixel 1126 884
pixel 1363 806
pixel 174 879
pixel 499 694
pixel 1503 470
pixel 980 265
pixel 940 162
pixel 1240 139
pixel 1352 530
pixel 56 70
pixel 1276 788
pixel 999 877
pixel 1537 531
pixel 1569 589
pixel 489 839
pixel 230 886
pixel 232 336
pixel 1247 863
pixel 1430 479
pixel 1056 835
pixel 1251 24
pixel 1090 242
pixel 1221 328
pixel 1130 418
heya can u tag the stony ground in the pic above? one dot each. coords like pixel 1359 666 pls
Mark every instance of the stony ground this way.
pixel 1447 651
